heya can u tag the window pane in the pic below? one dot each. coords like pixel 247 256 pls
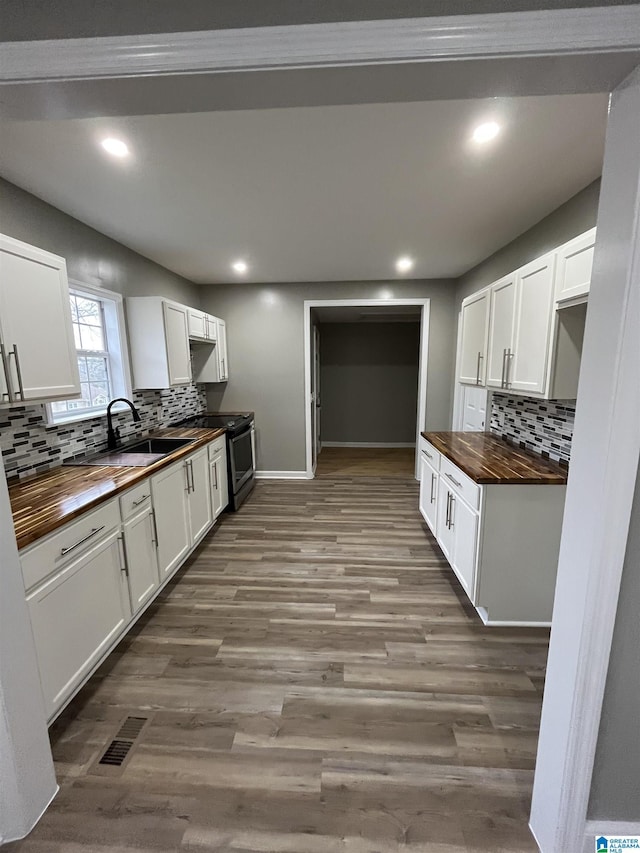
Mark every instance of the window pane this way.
pixel 56 408
pixel 97 369
pixel 91 337
pixel 76 336
pixel 88 311
pixel 74 308
pixel 82 367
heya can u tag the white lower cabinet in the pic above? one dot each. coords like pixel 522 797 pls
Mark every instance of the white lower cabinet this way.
pixel 218 477
pixel 199 496
pixel 502 541
pixel 169 492
pixel 142 557
pixel 76 616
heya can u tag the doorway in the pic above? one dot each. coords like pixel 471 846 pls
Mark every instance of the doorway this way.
pixel 352 402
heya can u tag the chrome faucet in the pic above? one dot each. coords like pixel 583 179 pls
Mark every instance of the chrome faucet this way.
pixel 114 434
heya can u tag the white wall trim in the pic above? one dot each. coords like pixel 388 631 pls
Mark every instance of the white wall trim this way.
pixel 309 304
pixel 282 475
pixel 368 444
pixel 532 33
pixel 602 478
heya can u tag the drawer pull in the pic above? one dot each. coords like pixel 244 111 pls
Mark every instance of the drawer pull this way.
pixel 143 498
pixel 454 481
pixel 80 541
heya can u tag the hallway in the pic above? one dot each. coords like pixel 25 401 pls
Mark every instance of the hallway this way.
pixel 313 681
pixel 366 462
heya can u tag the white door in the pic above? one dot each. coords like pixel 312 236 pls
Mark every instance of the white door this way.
pixel 573 272
pixel 445 534
pixel 315 395
pixel 199 494
pixel 501 326
pixel 142 557
pixel 464 524
pixel 474 319
pixel 474 408
pixel 76 615
pixel 528 368
pixel 428 493
pixel 177 337
pixel 35 324
pixel 219 483
pixel 169 491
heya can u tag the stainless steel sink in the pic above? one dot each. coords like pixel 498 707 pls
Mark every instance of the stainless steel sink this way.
pixel 137 455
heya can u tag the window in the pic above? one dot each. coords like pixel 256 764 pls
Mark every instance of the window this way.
pixel 98 330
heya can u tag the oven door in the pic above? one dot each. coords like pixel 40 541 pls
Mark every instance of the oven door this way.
pixel 240 459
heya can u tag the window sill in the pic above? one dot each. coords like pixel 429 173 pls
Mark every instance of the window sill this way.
pixel 73 418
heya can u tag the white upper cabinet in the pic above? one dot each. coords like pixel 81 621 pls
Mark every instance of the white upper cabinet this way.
pixel 474 318
pixel 575 262
pixel 221 348
pixel 501 330
pixel 159 338
pixel 197 321
pixel 535 288
pixel 37 351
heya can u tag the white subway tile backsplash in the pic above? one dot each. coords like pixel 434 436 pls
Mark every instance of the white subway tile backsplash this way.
pixel 543 426
pixel 30 446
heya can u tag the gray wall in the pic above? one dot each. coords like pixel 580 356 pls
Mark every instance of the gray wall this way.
pixel 574 217
pixel 369 381
pixel 615 786
pixel 91 257
pixel 266 355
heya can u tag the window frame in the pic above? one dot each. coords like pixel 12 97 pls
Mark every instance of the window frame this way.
pixel 118 365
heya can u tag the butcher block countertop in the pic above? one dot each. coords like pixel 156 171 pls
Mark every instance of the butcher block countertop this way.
pixel 44 502
pixel 489 460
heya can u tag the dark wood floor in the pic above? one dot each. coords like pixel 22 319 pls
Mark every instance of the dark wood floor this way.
pixel 314 682
pixel 366 462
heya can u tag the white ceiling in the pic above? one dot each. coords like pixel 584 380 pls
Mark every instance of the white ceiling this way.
pixel 332 193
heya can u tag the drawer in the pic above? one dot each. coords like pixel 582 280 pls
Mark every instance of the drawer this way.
pixel 217 446
pixel 50 554
pixel 460 483
pixel 432 455
pixel 135 499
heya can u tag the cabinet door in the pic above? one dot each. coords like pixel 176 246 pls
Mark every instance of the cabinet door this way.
pixel 212 327
pixel 177 341
pixel 169 491
pixel 35 324
pixel 464 524
pixel 428 493
pixel 575 262
pixel 199 495
pixel 221 347
pixel 219 483
pixel 76 616
pixel 197 325
pixel 473 348
pixel 142 558
pixel 501 324
pixel 528 370
pixel 444 535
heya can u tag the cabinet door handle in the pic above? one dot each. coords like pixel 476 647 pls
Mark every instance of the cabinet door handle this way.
pixel 186 474
pixel 143 498
pixel 433 480
pixel 451 511
pixel 480 357
pixel 123 556
pixel 507 368
pixel 215 471
pixel 7 378
pixel 454 481
pixel 80 541
pixel 428 455
pixel 14 353
pixel 193 480
pixel 446 520
pixel 504 369
pixel 154 536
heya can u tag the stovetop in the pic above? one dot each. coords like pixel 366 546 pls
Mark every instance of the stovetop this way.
pixel 233 422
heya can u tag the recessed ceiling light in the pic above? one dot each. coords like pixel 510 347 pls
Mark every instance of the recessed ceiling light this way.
pixel 115 147
pixel 404 264
pixel 486 132
pixel 240 266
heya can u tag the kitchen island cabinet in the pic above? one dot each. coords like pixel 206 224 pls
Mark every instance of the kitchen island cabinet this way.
pixel 496 512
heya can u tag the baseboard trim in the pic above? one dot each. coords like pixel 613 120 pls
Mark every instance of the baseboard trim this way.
pixel 505 623
pixel 282 475
pixel 4 840
pixel 368 444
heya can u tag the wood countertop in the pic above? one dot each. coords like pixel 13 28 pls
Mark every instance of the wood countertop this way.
pixel 489 460
pixel 45 502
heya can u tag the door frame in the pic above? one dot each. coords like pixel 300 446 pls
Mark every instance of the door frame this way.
pixel 450 40
pixel 425 313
